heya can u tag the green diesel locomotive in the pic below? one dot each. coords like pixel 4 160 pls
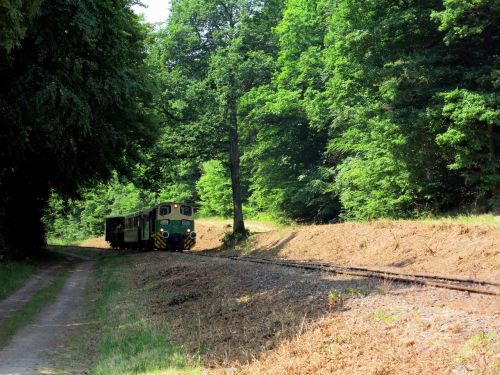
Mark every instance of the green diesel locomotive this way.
pixel 166 226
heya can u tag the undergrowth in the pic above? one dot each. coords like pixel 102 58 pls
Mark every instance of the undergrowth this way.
pixel 13 275
pixel 231 240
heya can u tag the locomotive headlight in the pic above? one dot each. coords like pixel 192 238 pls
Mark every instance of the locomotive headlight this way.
pixel 161 229
pixel 188 230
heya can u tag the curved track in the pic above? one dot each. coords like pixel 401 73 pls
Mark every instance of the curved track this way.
pixel 455 283
pixel 464 284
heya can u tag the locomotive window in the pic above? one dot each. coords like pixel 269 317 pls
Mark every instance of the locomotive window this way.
pixel 186 210
pixel 165 210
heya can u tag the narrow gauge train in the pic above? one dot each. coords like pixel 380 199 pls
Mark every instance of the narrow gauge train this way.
pixel 167 226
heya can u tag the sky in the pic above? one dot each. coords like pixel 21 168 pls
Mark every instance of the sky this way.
pixel 156 11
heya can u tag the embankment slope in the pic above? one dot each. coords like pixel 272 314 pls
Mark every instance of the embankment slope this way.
pixel 470 250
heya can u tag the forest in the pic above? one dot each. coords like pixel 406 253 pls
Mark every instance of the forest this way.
pixel 289 110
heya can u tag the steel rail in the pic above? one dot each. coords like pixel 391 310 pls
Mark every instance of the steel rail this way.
pixel 454 283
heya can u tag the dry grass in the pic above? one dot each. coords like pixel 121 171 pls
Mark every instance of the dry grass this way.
pixel 245 318
pixel 442 247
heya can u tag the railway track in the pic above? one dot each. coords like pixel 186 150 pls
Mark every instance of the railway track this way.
pixel 454 283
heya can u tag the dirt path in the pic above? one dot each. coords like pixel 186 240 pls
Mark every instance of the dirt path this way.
pixel 28 351
pixel 21 296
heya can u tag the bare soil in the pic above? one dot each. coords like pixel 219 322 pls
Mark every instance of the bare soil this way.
pixel 237 317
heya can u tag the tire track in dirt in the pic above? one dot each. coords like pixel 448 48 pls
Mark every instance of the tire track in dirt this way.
pixel 28 351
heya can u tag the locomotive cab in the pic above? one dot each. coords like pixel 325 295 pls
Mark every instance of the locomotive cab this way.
pixel 175 226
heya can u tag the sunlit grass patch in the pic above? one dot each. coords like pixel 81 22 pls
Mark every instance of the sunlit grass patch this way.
pixel 64 241
pixel 245 298
pixel 335 298
pixel 131 340
pixel 485 345
pixel 382 316
pixel 358 292
pixel 254 224
pixel 13 275
pixel 465 219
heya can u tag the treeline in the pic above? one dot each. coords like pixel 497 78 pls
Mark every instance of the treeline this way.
pixel 344 108
pixel 341 109
pixel 310 110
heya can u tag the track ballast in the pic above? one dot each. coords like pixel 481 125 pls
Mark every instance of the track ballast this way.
pixel 454 283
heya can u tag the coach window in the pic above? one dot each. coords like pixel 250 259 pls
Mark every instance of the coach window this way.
pixel 165 210
pixel 186 210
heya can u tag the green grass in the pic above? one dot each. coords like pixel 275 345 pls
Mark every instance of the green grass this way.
pixel 484 344
pixel 64 241
pixel 382 316
pixel 130 339
pixel 32 307
pixel 13 275
pixel 466 219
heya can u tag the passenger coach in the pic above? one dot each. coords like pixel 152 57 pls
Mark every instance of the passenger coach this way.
pixel 167 226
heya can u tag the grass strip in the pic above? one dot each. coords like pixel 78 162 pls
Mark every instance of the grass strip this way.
pixel 64 241
pixel 89 253
pixel 26 313
pixel 131 340
pixel 13 275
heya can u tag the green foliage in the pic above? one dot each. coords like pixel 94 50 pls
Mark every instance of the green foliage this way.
pixel 15 16
pixel 336 298
pixel 74 106
pixel 395 121
pixel 337 110
pixel 231 240
pixel 284 147
pixel 382 316
pixel 481 344
pixel 12 275
pixel 214 190
pixel 79 219
pixel 341 110
pixel 210 54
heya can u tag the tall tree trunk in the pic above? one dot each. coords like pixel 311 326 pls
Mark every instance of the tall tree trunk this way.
pixel 234 161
